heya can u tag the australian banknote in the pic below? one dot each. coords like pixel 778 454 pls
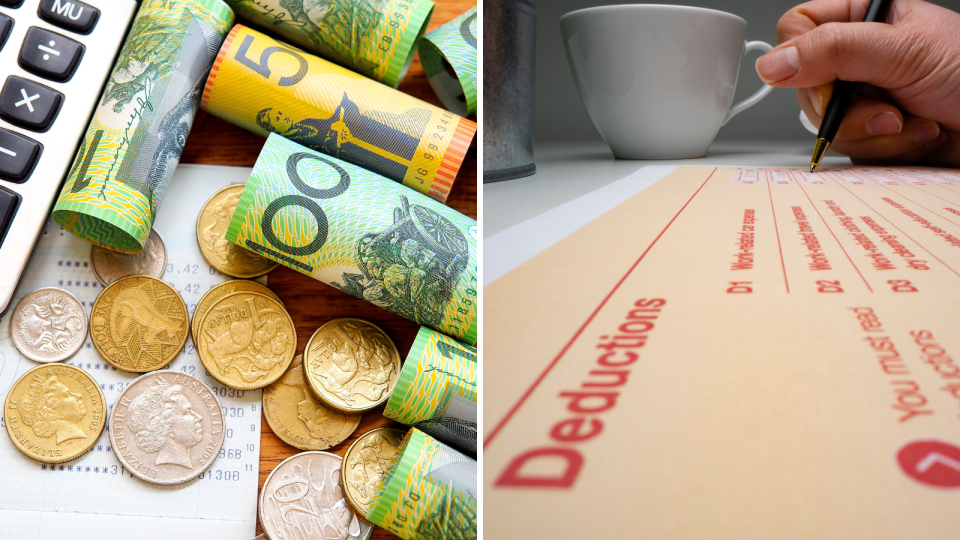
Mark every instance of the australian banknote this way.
pixel 449 57
pixel 375 38
pixel 363 234
pixel 139 128
pixel 437 390
pixel 264 86
pixel 439 480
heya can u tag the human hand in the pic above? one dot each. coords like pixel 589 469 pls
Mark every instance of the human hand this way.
pixel 908 109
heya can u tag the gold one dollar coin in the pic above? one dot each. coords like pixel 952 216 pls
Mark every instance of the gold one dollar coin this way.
pixel 351 364
pixel 221 290
pixel 227 257
pixel 299 419
pixel 365 464
pixel 246 340
pixel 139 323
pixel 54 413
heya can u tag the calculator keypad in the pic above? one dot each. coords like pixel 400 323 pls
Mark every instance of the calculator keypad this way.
pixel 29 105
pixel 54 62
pixel 49 54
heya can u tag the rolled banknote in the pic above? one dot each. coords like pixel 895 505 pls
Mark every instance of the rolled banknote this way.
pixel 442 482
pixel 265 86
pixel 363 234
pixel 138 130
pixel 375 38
pixel 449 58
pixel 437 390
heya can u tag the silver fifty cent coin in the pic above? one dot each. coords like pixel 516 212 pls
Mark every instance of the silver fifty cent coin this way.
pixel 166 427
pixel 49 325
pixel 110 266
pixel 303 498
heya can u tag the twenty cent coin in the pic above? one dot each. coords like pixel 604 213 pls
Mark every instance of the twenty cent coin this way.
pixel 49 325
pixel 212 224
pixel 365 463
pixel 351 364
pixel 246 340
pixel 221 290
pixel 299 419
pixel 139 323
pixel 166 427
pixel 110 266
pixel 302 498
pixel 54 413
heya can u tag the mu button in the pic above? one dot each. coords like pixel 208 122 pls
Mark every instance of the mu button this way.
pixel 29 105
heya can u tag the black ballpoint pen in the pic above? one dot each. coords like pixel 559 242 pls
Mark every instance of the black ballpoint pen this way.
pixel 842 95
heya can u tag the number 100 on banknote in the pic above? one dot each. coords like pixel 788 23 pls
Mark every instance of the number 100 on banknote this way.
pixel 267 86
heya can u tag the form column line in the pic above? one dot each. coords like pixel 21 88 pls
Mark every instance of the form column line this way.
pixel 837 240
pixel 776 229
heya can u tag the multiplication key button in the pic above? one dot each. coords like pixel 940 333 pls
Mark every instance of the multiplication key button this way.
pixel 29 105
pixel 49 54
pixel 18 155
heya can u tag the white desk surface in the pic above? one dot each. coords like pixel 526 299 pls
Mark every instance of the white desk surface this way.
pixel 567 170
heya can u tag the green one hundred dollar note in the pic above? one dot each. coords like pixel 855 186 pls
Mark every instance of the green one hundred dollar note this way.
pixel 437 390
pixel 138 130
pixel 442 481
pixel 362 233
pixel 372 37
pixel 449 57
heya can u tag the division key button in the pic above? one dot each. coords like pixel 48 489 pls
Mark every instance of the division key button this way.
pixel 69 15
pixel 49 54
pixel 18 155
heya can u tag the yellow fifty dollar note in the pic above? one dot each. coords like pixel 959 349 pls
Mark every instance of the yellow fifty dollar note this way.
pixel 266 86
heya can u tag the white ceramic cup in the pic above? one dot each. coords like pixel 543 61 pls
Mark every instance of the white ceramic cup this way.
pixel 658 81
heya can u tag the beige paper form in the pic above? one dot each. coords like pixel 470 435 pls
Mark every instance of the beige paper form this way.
pixel 734 354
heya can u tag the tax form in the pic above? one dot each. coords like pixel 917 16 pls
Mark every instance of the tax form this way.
pixel 94 497
pixel 730 353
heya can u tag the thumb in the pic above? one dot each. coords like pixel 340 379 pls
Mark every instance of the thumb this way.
pixel 875 53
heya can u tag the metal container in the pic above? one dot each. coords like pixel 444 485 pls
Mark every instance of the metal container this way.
pixel 509 52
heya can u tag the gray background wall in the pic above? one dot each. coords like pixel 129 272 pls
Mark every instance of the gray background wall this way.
pixel 559 114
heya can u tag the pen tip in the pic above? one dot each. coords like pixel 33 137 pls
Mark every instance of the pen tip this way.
pixel 812 166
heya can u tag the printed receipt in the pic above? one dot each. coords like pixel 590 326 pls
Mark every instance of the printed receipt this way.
pixel 94 496
pixel 734 354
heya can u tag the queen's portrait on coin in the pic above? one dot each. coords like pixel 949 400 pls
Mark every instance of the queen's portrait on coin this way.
pixel 164 422
pixel 51 409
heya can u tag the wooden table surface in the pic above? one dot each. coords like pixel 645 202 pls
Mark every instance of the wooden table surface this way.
pixel 310 302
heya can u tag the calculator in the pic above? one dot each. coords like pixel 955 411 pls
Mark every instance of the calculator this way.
pixel 55 57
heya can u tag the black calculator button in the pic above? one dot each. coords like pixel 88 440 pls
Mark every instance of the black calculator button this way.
pixel 9 201
pixel 29 105
pixel 69 15
pixel 18 155
pixel 6 24
pixel 11 3
pixel 49 54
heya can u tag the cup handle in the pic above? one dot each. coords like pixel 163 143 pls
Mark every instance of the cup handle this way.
pixel 759 94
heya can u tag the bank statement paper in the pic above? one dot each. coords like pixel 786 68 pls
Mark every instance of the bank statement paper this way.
pixel 94 497
pixel 733 353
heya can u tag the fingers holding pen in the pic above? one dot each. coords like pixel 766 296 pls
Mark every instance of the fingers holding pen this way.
pixel 875 53
pixel 864 119
pixel 917 139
